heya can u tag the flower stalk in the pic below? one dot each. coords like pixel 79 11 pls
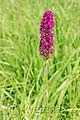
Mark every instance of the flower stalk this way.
pixel 46 45
pixel 46 80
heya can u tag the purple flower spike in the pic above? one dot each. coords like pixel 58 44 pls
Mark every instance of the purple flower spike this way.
pixel 46 42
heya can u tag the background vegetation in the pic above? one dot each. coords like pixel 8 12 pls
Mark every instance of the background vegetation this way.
pixel 22 81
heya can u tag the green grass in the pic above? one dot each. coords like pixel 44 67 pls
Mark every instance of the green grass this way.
pixel 22 81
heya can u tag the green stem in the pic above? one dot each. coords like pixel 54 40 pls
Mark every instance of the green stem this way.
pixel 46 82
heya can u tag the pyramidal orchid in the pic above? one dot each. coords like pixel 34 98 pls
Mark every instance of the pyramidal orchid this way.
pixel 46 42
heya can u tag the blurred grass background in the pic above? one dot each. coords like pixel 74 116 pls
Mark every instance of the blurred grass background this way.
pixel 22 84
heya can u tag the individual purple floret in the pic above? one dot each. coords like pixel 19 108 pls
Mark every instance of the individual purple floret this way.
pixel 46 42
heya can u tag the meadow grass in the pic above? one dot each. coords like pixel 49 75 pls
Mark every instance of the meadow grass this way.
pixel 22 81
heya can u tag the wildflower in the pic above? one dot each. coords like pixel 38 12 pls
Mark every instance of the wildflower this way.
pixel 46 42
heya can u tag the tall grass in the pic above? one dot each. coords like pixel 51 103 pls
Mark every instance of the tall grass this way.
pixel 22 85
